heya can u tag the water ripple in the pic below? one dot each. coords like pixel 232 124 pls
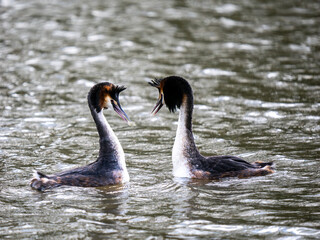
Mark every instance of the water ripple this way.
pixel 254 70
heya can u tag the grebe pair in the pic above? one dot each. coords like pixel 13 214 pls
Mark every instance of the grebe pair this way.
pixel 110 167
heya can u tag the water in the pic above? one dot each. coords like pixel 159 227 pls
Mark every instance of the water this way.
pixel 254 68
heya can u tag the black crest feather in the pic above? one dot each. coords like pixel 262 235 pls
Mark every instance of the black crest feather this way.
pixel 119 89
pixel 155 82
pixel 116 91
pixel 174 89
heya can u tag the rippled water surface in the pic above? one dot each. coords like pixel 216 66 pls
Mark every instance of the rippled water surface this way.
pixel 255 70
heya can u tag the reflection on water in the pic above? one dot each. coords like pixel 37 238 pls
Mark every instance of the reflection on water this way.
pixel 254 68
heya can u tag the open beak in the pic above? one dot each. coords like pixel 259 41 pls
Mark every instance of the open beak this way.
pixel 158 105
pixel 117 108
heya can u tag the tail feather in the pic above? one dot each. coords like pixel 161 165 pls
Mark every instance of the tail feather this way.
pixel 39 181
pixel 39 175
pixel 263 164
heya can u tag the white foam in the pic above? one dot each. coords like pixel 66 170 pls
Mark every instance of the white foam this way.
pixel 39 119
pixel 273 114
pixel 85 82
pixel 67 34
pixel 95 59
pixel 272 74
pixel 97 37
pixel 227 8
pixel 238 46
pixel 71 50
pixel 217 72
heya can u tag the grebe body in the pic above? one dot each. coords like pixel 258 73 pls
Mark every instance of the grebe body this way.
pixel 110 167
pixel 175 92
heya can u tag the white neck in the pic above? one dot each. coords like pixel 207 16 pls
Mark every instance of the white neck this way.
pixel 181 166
pixel 116 145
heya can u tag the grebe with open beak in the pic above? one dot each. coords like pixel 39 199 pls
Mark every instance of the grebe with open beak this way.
pixel 110 167
pixel 175 92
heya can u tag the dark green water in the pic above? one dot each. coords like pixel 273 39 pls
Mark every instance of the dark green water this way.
pixel 255 70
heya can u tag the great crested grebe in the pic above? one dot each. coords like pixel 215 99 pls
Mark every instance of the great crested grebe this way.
pixel 110 167
pixel 176 92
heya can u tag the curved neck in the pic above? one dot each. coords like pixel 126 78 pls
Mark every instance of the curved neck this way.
pixel 110 147
pixel 184 151
pixel 184 130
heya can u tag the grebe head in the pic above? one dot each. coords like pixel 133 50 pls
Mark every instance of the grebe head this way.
pixel 172 90
pixel 105 94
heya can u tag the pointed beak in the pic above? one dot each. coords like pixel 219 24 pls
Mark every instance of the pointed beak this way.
pixel 117 108
pixel 158 105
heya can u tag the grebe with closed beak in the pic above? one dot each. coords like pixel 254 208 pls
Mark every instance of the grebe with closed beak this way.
pixel 175 92
pixel 110 167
